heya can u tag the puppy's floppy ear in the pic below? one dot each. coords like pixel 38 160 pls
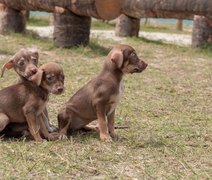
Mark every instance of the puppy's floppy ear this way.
pixel 117 57
pixel 35 53
pixel 7 65
pixel 37 77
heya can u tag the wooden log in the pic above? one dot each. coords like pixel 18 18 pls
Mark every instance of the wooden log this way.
pixel 179 9
pixel 202 32
pixel 102 9
pixel 70 29
pixel 11 20
pixel 127 26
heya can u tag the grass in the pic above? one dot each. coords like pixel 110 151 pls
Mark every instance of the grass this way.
pixel 167 108
pixel 38 21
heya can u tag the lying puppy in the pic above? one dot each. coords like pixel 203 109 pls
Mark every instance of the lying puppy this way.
pixel 26 101
pixel 99 97
pixel 25 62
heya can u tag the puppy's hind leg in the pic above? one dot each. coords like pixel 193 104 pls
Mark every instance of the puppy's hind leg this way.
pixel 4 120
pixel 64 120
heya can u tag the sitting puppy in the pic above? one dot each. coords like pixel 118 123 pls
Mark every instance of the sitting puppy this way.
pixel 25 62
pixel 26 101
pixel 99 97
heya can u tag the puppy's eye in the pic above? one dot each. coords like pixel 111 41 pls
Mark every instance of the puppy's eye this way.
pixel 21 63
pixel 50 78
pixel 133 54
pixel 34 60
pixel 62 77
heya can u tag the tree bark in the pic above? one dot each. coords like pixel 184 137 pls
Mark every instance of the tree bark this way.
pixel 70 29
pixel 103 9
pixel 179 25
pixel 183 9
pixel 11 20
pixel 127 26
pixel 202 32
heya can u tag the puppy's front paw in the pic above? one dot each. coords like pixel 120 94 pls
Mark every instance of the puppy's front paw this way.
pixel 63 137
pixel 113 135
pixel 53 136
pixel 52 129
pixel 105 138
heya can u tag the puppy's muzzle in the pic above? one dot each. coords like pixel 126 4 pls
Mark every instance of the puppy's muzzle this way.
pixel 141 66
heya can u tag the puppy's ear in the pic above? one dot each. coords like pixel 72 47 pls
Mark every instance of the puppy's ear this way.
pixel 7 65
pixel 37 78
pixel 117 58
pixel 35 53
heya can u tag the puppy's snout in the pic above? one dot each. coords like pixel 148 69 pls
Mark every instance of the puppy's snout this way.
pixel 60 89
pixel 144 64
pixel 33 70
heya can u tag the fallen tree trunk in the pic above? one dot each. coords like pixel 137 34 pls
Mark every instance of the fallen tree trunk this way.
pixel 179 9
pixel 102 9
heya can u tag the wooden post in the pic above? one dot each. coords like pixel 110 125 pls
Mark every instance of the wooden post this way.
pixel 127 26
pixel 202 31
pixel 51 19
pixel 11 20
pixel 179 24
pixel 70 29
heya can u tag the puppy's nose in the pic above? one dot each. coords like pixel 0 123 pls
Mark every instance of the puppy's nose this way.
pixel 145 65
pixel 60 89
pixel 34 71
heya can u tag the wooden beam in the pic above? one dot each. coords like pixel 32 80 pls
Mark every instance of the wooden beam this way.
pixel 179 9
pixel 102 9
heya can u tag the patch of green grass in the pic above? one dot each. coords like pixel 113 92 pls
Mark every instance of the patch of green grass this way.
pixel 164 28
pixel 38 21
pixel 102 25
pixel 167 109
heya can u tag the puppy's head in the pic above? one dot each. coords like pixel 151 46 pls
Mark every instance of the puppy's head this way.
pixel 50 76
pixel 24 63
pixel 124 58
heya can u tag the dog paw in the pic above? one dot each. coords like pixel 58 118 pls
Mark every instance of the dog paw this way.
pixel 52 129
pixel 53 136
pixel 113 135
pixel 63 137
pixel 106 138
pixel 40 140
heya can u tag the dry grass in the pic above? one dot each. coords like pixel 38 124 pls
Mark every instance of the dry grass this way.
pixel 167 108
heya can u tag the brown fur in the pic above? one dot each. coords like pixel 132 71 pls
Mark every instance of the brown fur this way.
pixel 26 101
pixel 25 62
pixel 99 97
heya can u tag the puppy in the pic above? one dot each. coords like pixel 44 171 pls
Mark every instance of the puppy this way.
pixel 99 97
pixel 25 62
pixel 26 101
